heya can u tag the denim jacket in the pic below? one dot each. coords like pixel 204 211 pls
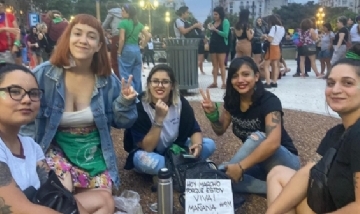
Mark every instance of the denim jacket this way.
pixel 107 105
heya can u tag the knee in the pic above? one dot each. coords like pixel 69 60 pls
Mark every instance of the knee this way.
pixel 147 163
pixel 108 203
pixel 276 173
pixel 209 145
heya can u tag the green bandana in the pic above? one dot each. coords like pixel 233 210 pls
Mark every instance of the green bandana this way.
pixel 57 20
pixel 83 150
pixel 352 55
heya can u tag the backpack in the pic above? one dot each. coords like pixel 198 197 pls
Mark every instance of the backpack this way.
pixel 194 33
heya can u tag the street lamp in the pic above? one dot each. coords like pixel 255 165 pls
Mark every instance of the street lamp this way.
pixel 98 10
pixel 148 5
pixel 320 16
pixel 167 20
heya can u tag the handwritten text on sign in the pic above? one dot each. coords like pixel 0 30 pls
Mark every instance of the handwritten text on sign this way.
pixel 209 196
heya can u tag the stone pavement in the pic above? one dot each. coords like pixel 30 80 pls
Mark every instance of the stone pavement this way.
pixel 294 92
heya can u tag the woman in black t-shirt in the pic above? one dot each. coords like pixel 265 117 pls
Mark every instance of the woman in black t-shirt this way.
pixel 339 42
pixel 256 116
pixel 287 189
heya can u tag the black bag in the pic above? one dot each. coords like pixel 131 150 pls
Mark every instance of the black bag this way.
pixel 183 168
pixel 238 200
pixel 308 50
pixel 54 195
pixel 318 196
pixel 194 33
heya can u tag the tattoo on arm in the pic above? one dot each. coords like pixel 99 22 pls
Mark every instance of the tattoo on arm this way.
pixel 4 208
pixel 275 120
pixel 43 170
pixel 217 127
pixel 5 175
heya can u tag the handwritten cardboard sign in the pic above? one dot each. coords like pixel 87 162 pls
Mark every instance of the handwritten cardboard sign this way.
pixel 208 196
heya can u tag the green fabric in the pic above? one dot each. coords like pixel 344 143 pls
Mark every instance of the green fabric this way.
pixel 57 20
pixel 84 151
pixel 176 149
pixel 131 32
pixel 225 32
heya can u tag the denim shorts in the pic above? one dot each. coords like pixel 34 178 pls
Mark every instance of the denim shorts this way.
pixel 325 54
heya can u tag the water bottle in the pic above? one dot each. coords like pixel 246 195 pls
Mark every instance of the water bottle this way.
pixel 165 192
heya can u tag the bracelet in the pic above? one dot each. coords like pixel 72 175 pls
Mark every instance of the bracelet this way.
pixel 241 167
pixel 242 171
pixel 17 43
pixel 213 116
pixel 158 124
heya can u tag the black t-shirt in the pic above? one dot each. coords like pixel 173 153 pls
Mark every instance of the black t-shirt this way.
pixel 245 123
pixel 347 162
pixel 346 37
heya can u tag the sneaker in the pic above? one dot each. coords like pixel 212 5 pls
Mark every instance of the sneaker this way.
pixel 273 85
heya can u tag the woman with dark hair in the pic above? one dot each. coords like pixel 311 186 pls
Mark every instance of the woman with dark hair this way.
pixel 289 191
pixel 82 100
pixel 340 40
pixel 220 29
pixel 325 52
pixel 165 119
pixel 260 31
pixel 273 51
pixel 257 119
pixel 244 34
pixel 129 54
pixel 181 25
pixel 33 45
pixel 308 38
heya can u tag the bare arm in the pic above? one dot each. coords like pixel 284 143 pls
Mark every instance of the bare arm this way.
pixel 121 41
pixel 293 193
pixel 147 36
pixel 151 139
pixel 12 200
pixel 42 169
pixel 15 24
pixel 269 145
pixel 184 30
pixel 249 34
pixel 221 126
pixel 314 35
pixel 353 207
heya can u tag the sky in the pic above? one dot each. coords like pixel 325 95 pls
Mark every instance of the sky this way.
pixel 201 8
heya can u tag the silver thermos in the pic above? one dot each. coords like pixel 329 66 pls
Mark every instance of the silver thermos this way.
pixel 165 192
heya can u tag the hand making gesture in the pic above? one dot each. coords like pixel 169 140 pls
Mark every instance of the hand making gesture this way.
pixel 161 110
pixel 206 103
pixel 127 90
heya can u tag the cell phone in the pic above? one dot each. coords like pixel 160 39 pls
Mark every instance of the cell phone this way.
pixel 188 156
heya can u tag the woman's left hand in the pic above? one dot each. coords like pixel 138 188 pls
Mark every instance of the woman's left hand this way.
pixel 127 90
pixel 234 172
pixel 195 149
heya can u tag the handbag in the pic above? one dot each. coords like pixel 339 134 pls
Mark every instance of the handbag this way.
pixel 7 56
pixel 319 198
pixel 309 49
pixel 54 195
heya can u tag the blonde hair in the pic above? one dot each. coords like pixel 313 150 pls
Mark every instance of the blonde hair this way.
pixel 40 27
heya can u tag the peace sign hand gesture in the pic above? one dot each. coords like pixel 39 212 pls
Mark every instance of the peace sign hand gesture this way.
pixel 206 103
pixel 127 90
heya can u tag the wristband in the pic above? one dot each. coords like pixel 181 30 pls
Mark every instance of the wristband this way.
pixel 213 116
pixel 17 43
pixel 158 124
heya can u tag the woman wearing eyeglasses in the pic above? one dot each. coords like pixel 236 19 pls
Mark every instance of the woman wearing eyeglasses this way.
pixel 164 118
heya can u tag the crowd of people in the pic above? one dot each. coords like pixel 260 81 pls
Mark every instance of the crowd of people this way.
pixel 58 116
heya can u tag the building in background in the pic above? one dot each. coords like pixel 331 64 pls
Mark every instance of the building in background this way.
pixel 257 8
pixel 175 4
pixel 351 4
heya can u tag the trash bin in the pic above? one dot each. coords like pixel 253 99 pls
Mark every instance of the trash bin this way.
pixel 182 56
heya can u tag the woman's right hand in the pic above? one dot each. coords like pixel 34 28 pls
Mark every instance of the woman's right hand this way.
pixel 206 103
pixel 161 110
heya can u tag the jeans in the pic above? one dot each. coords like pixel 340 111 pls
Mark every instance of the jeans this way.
pixel 130 64
pixel 338 54
pixel 254 178
pixel 151 162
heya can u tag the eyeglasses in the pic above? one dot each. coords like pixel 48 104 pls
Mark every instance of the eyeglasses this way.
pixel 17 93
pixel 164 83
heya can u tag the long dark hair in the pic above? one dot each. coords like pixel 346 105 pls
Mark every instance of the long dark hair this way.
pixel 131 10
pixel 243 20
pixel 232 97
pixel 220 11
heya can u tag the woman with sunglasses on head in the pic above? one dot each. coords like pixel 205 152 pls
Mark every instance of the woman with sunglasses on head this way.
pixel 165 118
pixel 290 191
pixel 22 161
pixel 129 54
pixel 82 101
pixel 257 119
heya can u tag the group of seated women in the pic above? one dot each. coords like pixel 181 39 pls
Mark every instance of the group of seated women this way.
pixel 59 118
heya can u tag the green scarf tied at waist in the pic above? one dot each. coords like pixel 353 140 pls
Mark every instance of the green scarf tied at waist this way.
pixel 176 149
pixel 83 150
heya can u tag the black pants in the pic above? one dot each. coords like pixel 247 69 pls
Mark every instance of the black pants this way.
pixel 307 65
pixel 149 54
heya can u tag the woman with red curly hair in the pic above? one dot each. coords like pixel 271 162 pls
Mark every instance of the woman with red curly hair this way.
pixel 82 100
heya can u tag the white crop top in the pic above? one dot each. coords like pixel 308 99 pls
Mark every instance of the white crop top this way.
pixel 80 118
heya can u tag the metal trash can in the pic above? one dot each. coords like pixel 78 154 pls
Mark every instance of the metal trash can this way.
pixel 182 56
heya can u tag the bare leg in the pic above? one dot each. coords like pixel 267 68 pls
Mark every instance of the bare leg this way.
pixel 96 201
pixel 275 70
pixel 257 58
pixel 313 64
pixel 328 65
pixel 201 63
pixel 266 71
pixel 302 66
pixel 221 58
pixel 322 66
pixel 215 64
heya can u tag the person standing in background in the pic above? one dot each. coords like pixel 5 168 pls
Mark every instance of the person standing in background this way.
pixel 56 25
pixel 112 22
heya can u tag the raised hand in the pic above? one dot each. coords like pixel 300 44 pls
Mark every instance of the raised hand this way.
pixel 127 90
pixel 206 103
pixel 161 110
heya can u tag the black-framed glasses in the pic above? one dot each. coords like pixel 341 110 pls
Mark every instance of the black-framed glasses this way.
pixel 17 93
pixel 164 83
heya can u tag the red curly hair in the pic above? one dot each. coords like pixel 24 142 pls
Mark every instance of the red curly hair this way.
pixel 100 64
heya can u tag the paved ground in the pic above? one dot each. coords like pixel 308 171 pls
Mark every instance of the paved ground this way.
pixel 295 93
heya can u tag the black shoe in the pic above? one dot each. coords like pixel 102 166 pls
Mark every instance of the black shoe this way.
pixel 273 85
pixel 267 85
pixel 306 74
pixel 296 75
